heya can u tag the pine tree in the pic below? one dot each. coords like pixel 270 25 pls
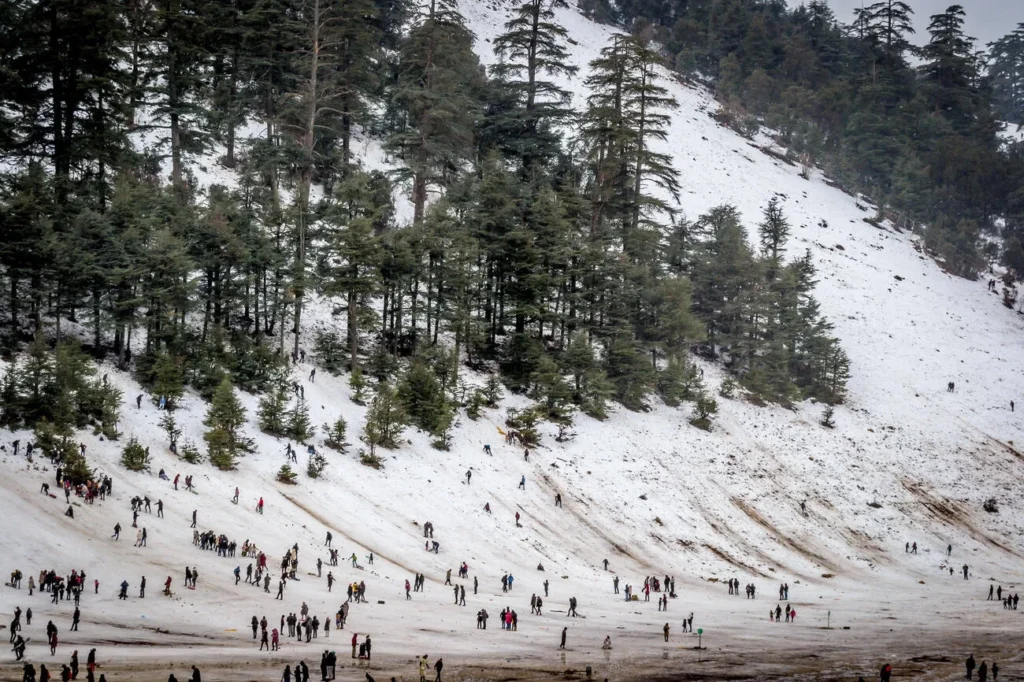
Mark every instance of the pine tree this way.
pixel 334 435
pixel 354 252
pixel 492 391
pixel 11 413
pixel 316 465
pixel 180 59
pixel 385 420
pixel 438 74
pixel 272 413
pixel 170 426
pixel 626 113
pixel 286 475
pixel 134 457
pixel 552 390
pixel 424 400
pixel 36 381
pixel 950 69
pixel 773 233
pixel 188 452
pixel 168 379
pixel 224 421
pixel 299 427
pixel 357 382
pixel 531 51
pixel 703 410
pixel 1006 72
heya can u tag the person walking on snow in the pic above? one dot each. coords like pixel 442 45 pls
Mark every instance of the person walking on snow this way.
pixel 469 475
pixel 522 482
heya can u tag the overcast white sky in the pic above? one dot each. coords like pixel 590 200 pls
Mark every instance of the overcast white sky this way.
pixel 987 20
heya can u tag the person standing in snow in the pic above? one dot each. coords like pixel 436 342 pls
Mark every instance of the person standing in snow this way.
pixel 194 512
pixel 522 482
pixel 562 644
pixel 469 475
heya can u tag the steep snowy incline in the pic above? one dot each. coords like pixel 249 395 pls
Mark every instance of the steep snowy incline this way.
pixel 907 461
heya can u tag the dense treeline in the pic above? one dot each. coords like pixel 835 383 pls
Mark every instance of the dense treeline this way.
pixel 914 128
pixel 558 261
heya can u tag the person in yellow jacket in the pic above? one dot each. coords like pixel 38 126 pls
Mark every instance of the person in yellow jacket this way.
pixel 423 668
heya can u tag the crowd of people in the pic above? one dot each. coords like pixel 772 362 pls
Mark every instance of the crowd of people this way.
pixel 301 626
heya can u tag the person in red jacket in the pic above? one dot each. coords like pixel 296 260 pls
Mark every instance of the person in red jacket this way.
pixel 355 643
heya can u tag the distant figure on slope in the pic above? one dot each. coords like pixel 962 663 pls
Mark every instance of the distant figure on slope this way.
pixel 950 387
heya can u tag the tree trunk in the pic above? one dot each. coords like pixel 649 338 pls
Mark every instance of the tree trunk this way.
pixel 353 331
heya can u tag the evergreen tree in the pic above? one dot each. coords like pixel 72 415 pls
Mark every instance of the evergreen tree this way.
pixel 11 414
pixel 180 58
pixel 286 475
pixel 531 51
pixel 774 232
pixel 134 457
pixel 316 465
pixel 424 400
pixel 273 414
pixel 385 420
pixel 357 382
pixel 704 409
pixel 552 390
pixel 168 379
pixel 299 426
pixel 354 252
pixel 224 421
pixel 438 76
pixel 334 435
pixel 950 70
pixel 170 426
pixel 1006 73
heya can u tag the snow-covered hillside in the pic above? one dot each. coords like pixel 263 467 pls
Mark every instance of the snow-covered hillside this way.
pixel 908 461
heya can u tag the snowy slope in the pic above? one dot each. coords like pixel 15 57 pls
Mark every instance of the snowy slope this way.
pixel 648 492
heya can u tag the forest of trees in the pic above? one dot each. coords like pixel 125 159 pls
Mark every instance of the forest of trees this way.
pixel 913 128
pixel 545 245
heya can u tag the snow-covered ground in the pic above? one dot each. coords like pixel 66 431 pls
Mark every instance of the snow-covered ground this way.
pixel 907 462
